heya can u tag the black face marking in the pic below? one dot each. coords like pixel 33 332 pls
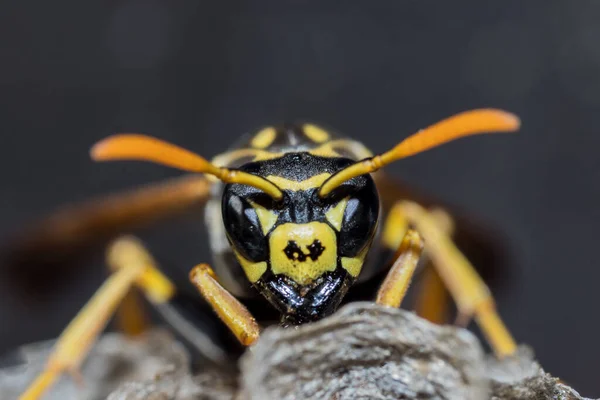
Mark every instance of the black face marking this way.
pixel 294 252
pixel 315 249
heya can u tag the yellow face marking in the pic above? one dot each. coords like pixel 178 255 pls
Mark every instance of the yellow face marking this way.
pixel 266 217
pixel 354 264
pixel 335 214
pixel 287 184
pixel 252 270
pixel 303 252
pixel 264 138
pixel 316 134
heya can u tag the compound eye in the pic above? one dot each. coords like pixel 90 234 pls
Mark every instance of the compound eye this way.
pixel 243 227
pixel 358 223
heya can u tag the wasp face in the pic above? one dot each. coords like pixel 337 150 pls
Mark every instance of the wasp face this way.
pixel 303 252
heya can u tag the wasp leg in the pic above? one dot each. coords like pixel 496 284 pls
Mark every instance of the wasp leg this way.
pixel 396 282
pixel 233 313
pixel 471 294
pixel 131 316
pixel 132 265
pixel 432 296
pixel 433 299
pixel 69 235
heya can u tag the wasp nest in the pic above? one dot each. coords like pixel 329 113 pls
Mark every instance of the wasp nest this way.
pixel 364 351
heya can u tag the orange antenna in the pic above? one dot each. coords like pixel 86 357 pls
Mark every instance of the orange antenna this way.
pixel 460 125
pixel 140 147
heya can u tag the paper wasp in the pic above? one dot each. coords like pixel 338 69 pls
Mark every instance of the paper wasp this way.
pixel 294 214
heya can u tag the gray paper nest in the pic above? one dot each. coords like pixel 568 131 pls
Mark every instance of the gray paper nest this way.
pixel 364 351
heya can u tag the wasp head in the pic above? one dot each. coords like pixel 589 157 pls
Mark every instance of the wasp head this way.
pixel 301 252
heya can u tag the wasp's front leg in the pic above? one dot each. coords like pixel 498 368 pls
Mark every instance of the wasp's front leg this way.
pixel 471 294
pixel 394 287
pixel 233 313
pixel 432 299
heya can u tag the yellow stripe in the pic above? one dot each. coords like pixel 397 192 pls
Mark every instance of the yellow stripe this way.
pixel 228 158
pixel 264 138
pixel 335 214
pixel 287 184
pixel 253 270
pixel 357 150
pixel 315 133
pixel 354 264
pixel 266 217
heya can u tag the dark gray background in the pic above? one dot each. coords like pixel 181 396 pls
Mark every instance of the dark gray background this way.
pixel 201 73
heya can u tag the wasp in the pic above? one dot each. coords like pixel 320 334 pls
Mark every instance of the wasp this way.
pixel 295 217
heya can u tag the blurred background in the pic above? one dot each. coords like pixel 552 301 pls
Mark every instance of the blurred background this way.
pixel 200 74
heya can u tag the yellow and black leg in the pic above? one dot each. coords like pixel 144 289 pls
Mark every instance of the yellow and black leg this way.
pixel 132 265
pixel 470 293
